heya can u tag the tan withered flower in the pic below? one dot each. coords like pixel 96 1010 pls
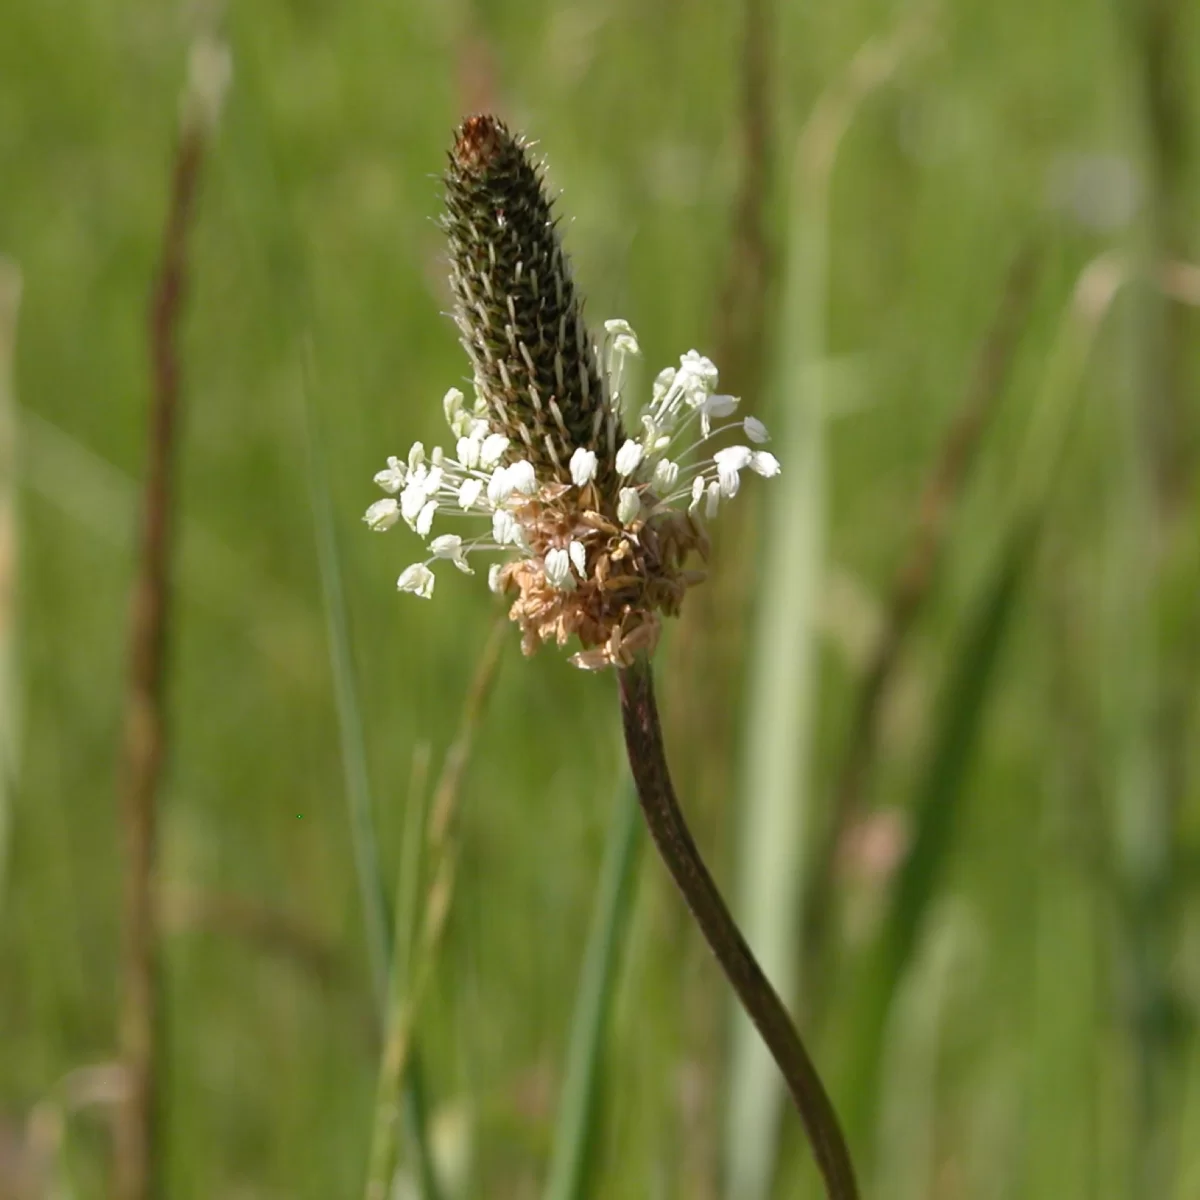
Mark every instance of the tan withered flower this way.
pixel 596 526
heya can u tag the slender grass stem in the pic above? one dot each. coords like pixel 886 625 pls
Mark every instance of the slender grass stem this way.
pixel 10 298
pixel 1151 759
pixel 377 923
pixel 569 1176
pixel 144 750
pixel 351 734
pixel 665 820
pixel 143 754
pixel 413 967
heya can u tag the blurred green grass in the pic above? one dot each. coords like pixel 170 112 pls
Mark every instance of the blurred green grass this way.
pixel 315 229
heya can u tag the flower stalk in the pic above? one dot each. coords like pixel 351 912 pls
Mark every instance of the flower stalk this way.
pixel 669 830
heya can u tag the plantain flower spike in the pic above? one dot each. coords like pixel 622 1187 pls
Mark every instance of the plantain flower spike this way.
pixel 593 523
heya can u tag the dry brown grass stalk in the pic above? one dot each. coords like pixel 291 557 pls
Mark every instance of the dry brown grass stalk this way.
pixel 145 733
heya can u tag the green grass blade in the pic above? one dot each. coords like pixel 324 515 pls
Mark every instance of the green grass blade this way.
pixel 781 691
pixel 908 1151
pixel 772 850
pixel 937 812
pixel 357 783
pixel 350 727
pixel 971 677
pixel 10 296
pixel 577 1110
pixel 1149 724
pixel 1068 991
pixel 416 1125
pixel 398 1092
pixel 775 789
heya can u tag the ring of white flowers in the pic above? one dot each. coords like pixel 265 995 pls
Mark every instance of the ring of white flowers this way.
pixel 655 474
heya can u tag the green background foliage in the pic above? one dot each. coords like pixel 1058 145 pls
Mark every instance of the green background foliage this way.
pixel 1034 1033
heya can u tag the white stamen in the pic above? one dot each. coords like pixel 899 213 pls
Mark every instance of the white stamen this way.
pixel 697 376
pixel 622 335
pixel 499 487
pixel 665 474
pixel 391 478
pixel 558 570
pixel 417 579
pixel 492 450
pixel 469 493
pixel 450 546
pixel 467 450
pixel 521 476
pixel 503 526
pixel 756 431
pixel 412 500
pixel 424 521
pixel 628 457
pixel 715 406
pixel 383 514
pixel 583 466
pixel 662 385
pixel 764 464
pixel 629 505
pixel 729 462
pixel 452 404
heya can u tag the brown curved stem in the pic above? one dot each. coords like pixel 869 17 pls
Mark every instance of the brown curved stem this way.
pixel 648 761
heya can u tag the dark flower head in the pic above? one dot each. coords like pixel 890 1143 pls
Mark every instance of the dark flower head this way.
pixel 516 307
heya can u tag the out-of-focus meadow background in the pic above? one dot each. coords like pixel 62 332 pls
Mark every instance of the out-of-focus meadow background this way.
pixel 934 716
